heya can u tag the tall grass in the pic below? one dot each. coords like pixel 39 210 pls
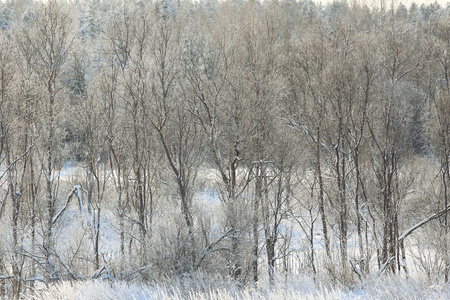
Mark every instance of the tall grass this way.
pixel 389 287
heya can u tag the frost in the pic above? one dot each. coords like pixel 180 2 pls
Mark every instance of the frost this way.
pixel 298 289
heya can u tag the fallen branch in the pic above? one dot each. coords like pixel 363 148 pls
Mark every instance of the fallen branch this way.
pixel 37 278
pixel 383 267
pixel 210 247
pixel 77 189
pixel 423 222
pixel 97 272
pixel 356 269
pixel 74 275
pixel 138 272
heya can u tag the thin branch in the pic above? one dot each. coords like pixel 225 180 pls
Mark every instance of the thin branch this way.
pixel 15 161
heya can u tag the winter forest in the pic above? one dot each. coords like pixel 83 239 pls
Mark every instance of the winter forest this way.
pixel 229 149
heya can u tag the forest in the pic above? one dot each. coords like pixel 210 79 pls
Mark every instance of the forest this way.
pixel 234 146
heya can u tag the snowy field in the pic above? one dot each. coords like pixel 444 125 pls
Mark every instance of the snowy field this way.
pixel 302 288
pixel 73 227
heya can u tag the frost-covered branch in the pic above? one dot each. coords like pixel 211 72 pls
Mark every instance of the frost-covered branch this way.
pixel 76 189
pixel 356 269
pixel 211 247
pixel 74 275
pixel 423 222
pixel 383 267
pixel 15 161
pixel 37 278
pixel 98 273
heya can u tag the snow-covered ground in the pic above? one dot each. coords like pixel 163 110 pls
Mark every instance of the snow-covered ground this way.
pixel 74 241
pixel 298 288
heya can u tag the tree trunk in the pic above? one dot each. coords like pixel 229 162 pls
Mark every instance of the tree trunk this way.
pixel 321 196
pixel 311 244
pixel 341 182
pixel 16 281
pixel 445 182
pixel 269 230
pixel 33 219
pixel 48 237
pixel 362 255
pixel 255 242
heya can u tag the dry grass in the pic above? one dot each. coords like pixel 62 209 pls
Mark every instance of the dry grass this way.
pixel 298 288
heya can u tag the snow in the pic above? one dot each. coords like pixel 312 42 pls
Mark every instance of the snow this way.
pixel 297 288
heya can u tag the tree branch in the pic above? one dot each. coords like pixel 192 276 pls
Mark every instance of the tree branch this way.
pixel 16 160
pixel 423 222
pixel 69 197
pixel 210 247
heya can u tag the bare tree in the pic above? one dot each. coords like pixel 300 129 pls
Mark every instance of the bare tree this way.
pixel 50 39
pixel 401 56
pixel 304 73
pixel 115 49
pixel 441 128
pixel 216 100
pixel 12 143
